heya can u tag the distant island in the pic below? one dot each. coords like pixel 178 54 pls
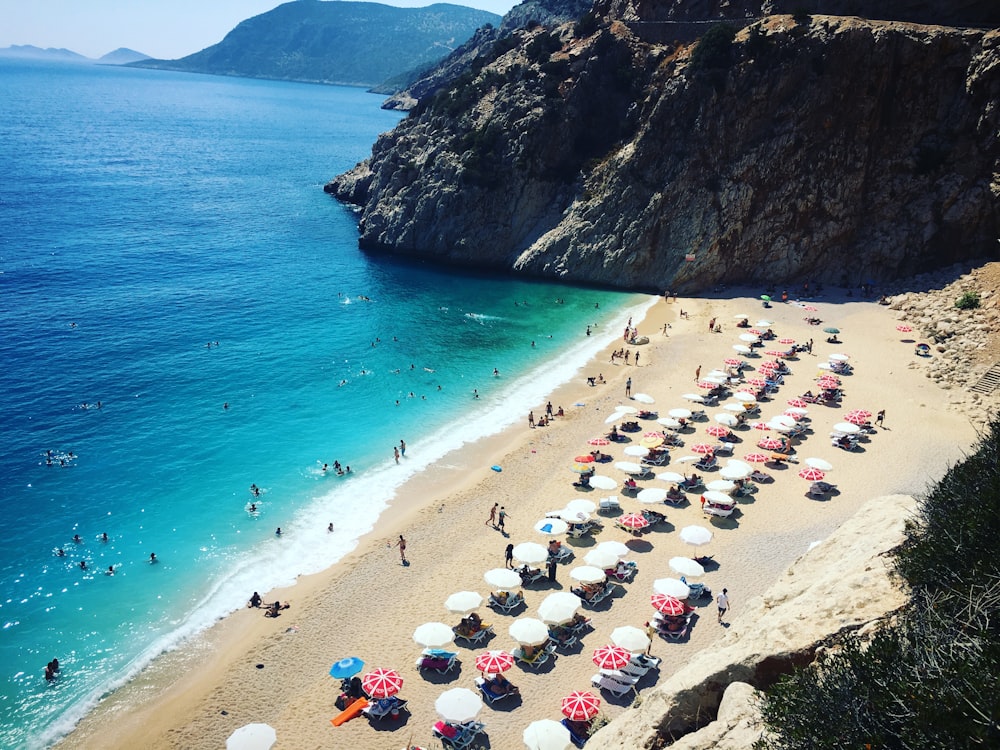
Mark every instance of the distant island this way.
pixel 348 43
pixel 120 56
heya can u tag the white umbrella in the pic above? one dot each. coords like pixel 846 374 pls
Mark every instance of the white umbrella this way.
pixel 552 526
pixel 636 450
pixel 652 495
pixel 502 579
pixel 602 482
pixel 530 553
pixel 619 548
pixel 694 397
pixel 735 472
pixel 624 409
pixel 696 536
pixel 630 467
pixel 685 566
pixel 735 408
pixel 824 366
pixel 782 419
pixel 749 337
pixel 463 602
pixel 546 734
pixel 688 459
pixel 680 413
pixel 614 417
pixel 433 635
pixel 670 423
pixel 717 377
pixel 601 558
pixel 763 324
pixel 717 498
pixel 726 419
pixel 644 398
pixel 741 316
pixel 742 348
pixel 581 505
pixel 528 631
pixel 670 476
pixel 744 396
pixel 721 485
pixel 735 463
pixel 838 358
pixel 780 426
pixel 573 516
pixel 819 463
pixel 252 737
pixel 588 574
pixel 672 587
pixel 458 705
pixel 797 410
pixel 630 638
pixel 846 428
pixel 558 608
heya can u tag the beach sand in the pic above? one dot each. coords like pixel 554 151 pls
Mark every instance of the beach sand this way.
pixel 249 668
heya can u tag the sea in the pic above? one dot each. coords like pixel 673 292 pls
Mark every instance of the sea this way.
pixel 184 314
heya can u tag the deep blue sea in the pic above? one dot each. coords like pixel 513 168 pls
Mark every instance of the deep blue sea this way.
pixel 166 249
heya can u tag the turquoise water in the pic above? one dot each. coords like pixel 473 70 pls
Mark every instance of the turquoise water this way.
pixel 144 215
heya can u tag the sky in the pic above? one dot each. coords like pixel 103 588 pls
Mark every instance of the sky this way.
pixel 165 29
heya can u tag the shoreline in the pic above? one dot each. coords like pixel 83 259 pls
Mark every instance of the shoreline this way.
pixel 178 700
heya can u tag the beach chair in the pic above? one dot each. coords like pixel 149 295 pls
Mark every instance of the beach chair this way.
pixel 575 531
pixel 707 463
pixel 660 459
pixel 457 736
pixel 575 738
pixel 578 625
pixel 541 656
pixel 506 604
pixel 382 707
pixel 698 590
pixel 437 660
pixel 564 554
pixel 483 633
pixel 488 695
pixel 724 447
pixel 562 637
pixel 646 661
pixel 622 572
pixel 604 682
pixel 654 517
pixel 609 504
pixel 532 575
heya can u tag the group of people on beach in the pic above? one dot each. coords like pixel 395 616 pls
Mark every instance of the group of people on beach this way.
pixel 624 354
pixel 338 469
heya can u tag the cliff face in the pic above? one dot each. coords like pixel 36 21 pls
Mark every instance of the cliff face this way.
pixel 830 148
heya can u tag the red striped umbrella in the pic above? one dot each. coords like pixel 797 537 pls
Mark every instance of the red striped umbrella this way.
pixel 757 382
pixel 611 657
pixel 762 426
pixel 774 353
pixel 798 403
pixel 494 662
pixel 756 332
pixel 717 430
pixel 599 441
pixel 732 361
pixel 786 341
pixel 756 458
pixel 811 474
pixel 667 605
pixel 707 384
pixel 633 521
pixel 796 415
pixel 769 443
pixel 581 705
pixel 904 328
pixel 703 448
pixel 586 458
pixel 382 683
pixel 857 416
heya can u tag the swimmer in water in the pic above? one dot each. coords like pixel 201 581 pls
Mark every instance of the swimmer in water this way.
pixel 83 564
pixel 110 571
pixel 152 558
pixel 104 537
pixel 496 373
pixel 330 527
pixel 253 507
pixel 77 539
pixel 60 552
pixel 277 531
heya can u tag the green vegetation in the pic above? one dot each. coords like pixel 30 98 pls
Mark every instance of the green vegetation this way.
pixel 929 677
pixel 968 301
pixel 715 49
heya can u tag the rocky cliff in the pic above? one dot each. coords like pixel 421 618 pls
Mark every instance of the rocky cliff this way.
pixel 825 148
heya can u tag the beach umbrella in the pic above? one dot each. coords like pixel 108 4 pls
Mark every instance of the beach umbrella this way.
pixel 703 449
pixel 726 419
pixel 623 409
pixel 671 423
pixel 742 349
pixel 717 430
pixel 904 328
pixel 732 361
pixel 529 631
pixel 838 357
pixel 581 468
pixel 764 323
pixel 463 602
pixel 546 734
pixel 741 316
pixel 735 472
pixel 744 396
pixel 776 353
pixel 252 737
pixel 614 417
pixel 750 338
pixel 735 408
pixel 670 476
pixel 630 467
pixel 638 451
pixel 757 458
pixel 580 505
pixel 782 420
pixel 619 548
pixel 588 574
pixel 686 459
pixel 585 458
pixel 530 553
pixel 795 414
pixel 769 443
pixel 558 608
pixel 611 657
pixel 857 416
pixel 552 527
pixel 580 705
pixel 786 341
pixel 458 705
pixel 643 398
pixel 680 413
pixel 601 558
pixel 766 297
pixel 831 329
pixel 434 634
pixel 696 536
pixel 721 485
pixel 708 384
pixel 671 587
pixel 819 463
pixel 685 566
pixel 652 442
pixel 573 516
pixel 347 667
pixel 651 495
pixel 630 638
pixel 667 605
pixel 846 428
pixel 502 579
pixel 633 521
pixel 810 474
pixel 757 382
pixel 762 426
pixel 602 482
pixel 599 441
pixel 780 426
pixel 381 683
pixel 494 662
pixel 693 397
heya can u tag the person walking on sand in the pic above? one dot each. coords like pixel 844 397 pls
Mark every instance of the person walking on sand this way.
pixel 697 373
pixel 628 387
pixel 492 520
pixel 509 556
pixel 402 549
pixel 531 419
pixel 395 453
pixel 501 518
pixel 880 417
pixel 637 359
pixel 723 601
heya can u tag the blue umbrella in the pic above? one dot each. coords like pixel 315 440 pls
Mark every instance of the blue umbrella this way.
pixel 347 667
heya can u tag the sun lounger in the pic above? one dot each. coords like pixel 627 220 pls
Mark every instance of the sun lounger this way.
pixel 623 571
pixel 485 631
pixel 609 505
pixel 579 625
pixel 457 736
pixel 541 656
pixel 437 660
pixel 533 575
pixel 562 637
pixel 382 707
pixel 485 687
pixel 563 554
pixel 507 604
pixel 646 661
pixel 604 682
pixel 576 739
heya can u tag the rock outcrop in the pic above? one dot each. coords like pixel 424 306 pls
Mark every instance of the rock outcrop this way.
pixel 824 148
pixel 841 585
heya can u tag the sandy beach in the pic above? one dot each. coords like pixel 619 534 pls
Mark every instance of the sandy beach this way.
pixel 249 668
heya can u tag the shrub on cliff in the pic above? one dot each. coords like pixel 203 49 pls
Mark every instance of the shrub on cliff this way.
pixel 715 49
pixel 929 679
